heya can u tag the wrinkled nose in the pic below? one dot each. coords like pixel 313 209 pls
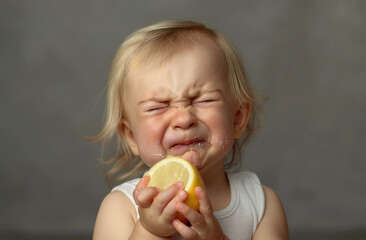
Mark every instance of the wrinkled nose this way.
pixel 183 119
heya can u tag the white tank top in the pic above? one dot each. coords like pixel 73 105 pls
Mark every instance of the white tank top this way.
pixel 240 218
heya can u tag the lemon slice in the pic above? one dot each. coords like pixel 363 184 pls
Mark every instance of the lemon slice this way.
pixel 174 169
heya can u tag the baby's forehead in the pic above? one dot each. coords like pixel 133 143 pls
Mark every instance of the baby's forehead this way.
pixel 146 59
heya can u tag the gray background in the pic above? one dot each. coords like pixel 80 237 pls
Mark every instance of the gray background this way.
pixel 306 57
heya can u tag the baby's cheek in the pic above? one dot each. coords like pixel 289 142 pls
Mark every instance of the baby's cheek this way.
pixel 224 140
pixel 149 145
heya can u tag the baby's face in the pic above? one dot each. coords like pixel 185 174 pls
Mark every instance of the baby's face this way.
pixel 182 108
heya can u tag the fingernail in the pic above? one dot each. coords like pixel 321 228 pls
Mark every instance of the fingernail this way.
pixel 179 184
pixel 199 189
pixel 175 221
pixel 182 193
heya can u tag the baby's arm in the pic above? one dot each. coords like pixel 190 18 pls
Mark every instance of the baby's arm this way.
pixel 274 224
pixel 117 217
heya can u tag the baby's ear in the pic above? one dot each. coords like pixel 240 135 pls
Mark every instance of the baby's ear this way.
pixel 242 115
pixel 124 128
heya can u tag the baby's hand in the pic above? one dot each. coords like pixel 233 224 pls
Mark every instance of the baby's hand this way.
pixel 204 225
pixel 157 208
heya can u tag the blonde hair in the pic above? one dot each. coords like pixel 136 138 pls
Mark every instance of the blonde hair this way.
pixel 154 44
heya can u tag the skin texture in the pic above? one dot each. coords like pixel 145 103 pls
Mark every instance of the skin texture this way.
pixel 182 108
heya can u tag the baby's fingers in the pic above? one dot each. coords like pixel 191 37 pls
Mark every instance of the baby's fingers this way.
pixel 185 231
pixel 205 205
pixel 199 226
pixel 164 197
pixel 170 211
pixel 204 223
pixel 143 195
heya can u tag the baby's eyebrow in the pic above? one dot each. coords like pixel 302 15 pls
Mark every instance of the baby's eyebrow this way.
pixel 162 99
pixel 215 91
pixel 219 91
pixel 152 99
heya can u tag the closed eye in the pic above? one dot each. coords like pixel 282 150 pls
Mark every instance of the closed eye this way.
pixel 204 101
pixel 156 108
pixel 207 100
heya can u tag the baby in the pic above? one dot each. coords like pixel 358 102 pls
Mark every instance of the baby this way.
pixel 178 88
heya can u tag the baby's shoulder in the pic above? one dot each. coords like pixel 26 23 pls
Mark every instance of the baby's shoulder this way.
pixel 118 202
pixel 125 191
pixel 127 187
pixel 115 210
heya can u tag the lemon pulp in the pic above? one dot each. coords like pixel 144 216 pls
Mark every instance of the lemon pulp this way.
pixel 174 169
